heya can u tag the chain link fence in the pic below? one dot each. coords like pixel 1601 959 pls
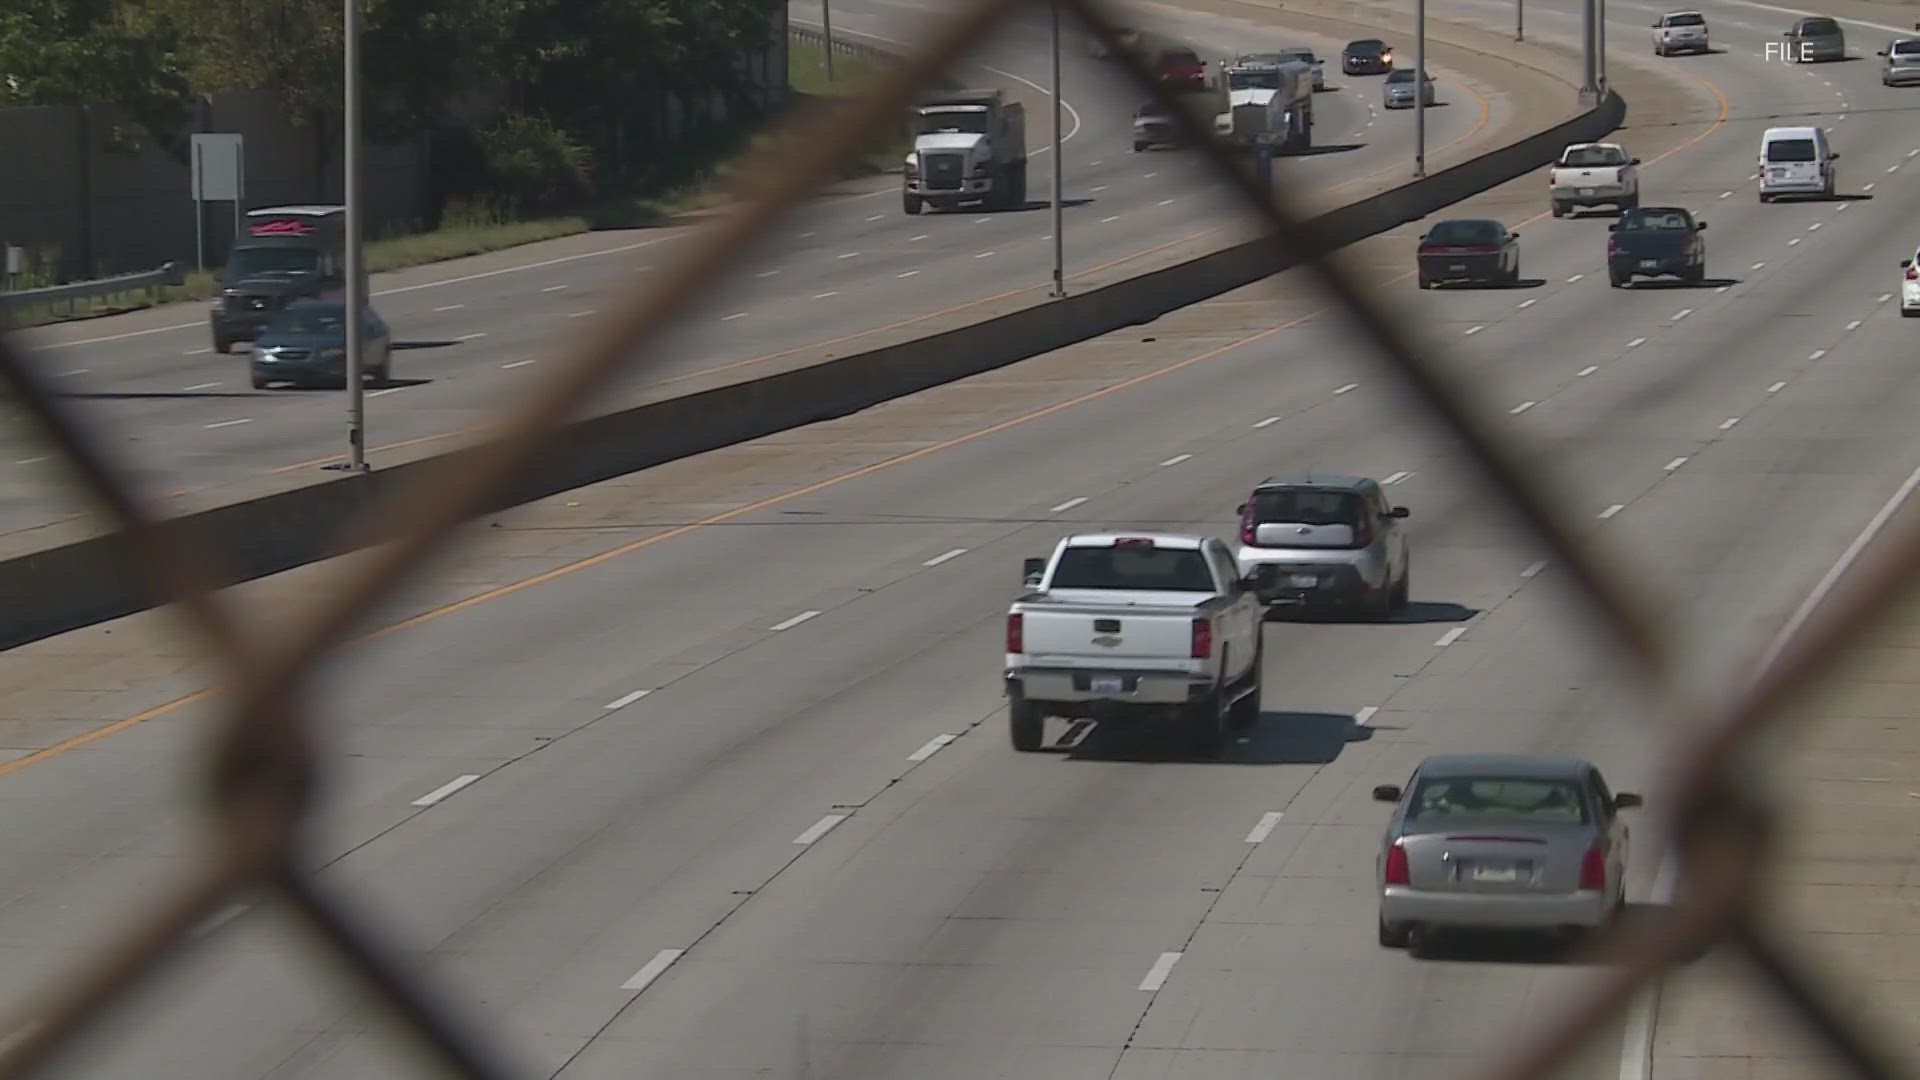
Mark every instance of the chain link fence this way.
pixel 261 774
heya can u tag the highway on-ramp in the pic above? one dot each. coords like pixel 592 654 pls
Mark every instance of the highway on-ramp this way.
pixel 836 272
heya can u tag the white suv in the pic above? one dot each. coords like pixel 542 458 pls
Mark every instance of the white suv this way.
pixel 1680 31
pixel 1910 286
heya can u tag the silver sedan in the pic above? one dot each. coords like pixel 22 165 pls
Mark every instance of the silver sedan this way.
pixel 1501 842
pixel 1398 91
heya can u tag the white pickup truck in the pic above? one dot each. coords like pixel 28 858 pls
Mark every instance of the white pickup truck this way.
pixel 1134 626
pixel 1594 174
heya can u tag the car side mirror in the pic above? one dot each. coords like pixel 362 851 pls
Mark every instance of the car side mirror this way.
pixel 1626 800
pixel 1904 263
pixel 1251 582
pixel 1699 226
pixel 1656 26
pixel 1241 509
pixel 1386 793
pixel 1835 156
pixel 1423 238
pixel 1880 52
pixel 1635 161
pixel 1031 571
pixel 1615 227
pixel 1399 512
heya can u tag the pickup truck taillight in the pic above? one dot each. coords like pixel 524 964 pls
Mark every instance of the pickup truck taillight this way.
pixel 1016 633
pixel 1246 520
pixel 1202 639
pixel 1913 273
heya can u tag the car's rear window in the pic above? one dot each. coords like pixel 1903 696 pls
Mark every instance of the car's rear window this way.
pixel 1370 45
pixel 1593 157
pixel 1307 506
pixel 1651 219
pixel 1184 57
pixel 1687 20
pixel 1132 568
pixel 1905 48
pixel 1819 27
pixel 1790 150
pixel 1552 802
pixel 1466 232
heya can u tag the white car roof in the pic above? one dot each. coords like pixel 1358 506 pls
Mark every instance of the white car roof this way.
pixel 1688 11
pixel 1590 145
pixel 1173 541
pixel 1774 134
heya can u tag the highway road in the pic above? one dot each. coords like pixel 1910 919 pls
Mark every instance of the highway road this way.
pixel 187 418
pixel 735 799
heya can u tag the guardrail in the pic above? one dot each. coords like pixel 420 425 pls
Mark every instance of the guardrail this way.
pixel 838 45
pixel 149 281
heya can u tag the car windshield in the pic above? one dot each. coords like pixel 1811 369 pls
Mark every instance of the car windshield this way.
pixel 1254 80
pixel 1401 75
pixel 1305 56
pixel 261 261
pixel 1790 150
pixel 929 123
pixel 1819 27
pixel 1593 157
pixel 1549 802
pixel 1692 18
pixel 1466 232
pixel 1132 568
pixel 314 321
pixel 1364 48
pixel 1654 219
pixel 1306 506
pixel 1179 58
pixel 1153 110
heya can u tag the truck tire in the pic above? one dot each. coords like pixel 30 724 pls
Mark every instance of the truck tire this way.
pixel 1026 724
pixel 222 346
pixel 1206 723
pixel 1560 209
pixel 1138 146
pixel 910 203
pixel 1378 606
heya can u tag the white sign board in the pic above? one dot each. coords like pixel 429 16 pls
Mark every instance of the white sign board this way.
pixel 219 167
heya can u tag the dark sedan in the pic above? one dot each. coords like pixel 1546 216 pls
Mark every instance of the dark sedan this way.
pixel 1656 241
pixel 1368 56
pixel 306 345
pixel 1477 250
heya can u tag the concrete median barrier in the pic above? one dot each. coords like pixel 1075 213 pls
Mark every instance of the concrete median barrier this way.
pixel 91 580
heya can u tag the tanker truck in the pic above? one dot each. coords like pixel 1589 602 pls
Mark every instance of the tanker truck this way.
pixel 969 146
pixel 1266 102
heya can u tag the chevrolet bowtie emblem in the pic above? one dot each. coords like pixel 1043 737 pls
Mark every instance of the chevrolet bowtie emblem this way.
pixel 1106 641
pixel 1304 530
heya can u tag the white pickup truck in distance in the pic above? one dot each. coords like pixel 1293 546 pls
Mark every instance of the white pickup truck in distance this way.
pixel 1134 626
pixel 1594 174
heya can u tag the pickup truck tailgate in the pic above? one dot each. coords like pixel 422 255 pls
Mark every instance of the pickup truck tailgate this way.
pixel 1604 176
pixel 1088 633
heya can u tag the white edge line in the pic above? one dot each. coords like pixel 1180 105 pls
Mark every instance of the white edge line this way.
pixel 932 747
pixel 1612 510
pixel 1450 637
pixel 1175 460
pixel 625 700
pixel 945 557
pixel 1157 975
pixel 1349 387
pixel 1675 463
pixel 788 624
pixel 1066 506
pixel 819 829
pixel 1268 422
pixel 1534 570
pixel 445 790
pixel 1395 478
pixel 655 968
pixel 1265 828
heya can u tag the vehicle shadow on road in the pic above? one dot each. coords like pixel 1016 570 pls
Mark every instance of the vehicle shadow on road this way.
pixel 1318 149
pixel 1413 611
pixel 1035 204
pixel 1277 738
pixel 1670 284
pixel 1489 947
pixel 156 395
pixel 1851 196
pixel 428 344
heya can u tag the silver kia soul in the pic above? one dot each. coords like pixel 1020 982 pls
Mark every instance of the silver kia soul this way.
pixel 1325 542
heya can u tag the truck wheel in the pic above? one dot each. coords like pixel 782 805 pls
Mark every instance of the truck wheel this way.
pixel 1378 606
pixel 1559 209
pixel 1697 275
pixel 1026 723
pixel 1019 194
pixel 1393 936
pixel 1206 724
pixel 910 204
pixel 1138 146
pixel 222 345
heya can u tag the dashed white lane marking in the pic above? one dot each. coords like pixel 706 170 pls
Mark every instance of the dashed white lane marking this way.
pixel 1753 176
pixel 984 254
pixel 788 624
pixel 1105 220
pixel 1268 422
pixel 1841 207
pixel 473 336
pixel 876 217
pixel 1093 164
pixel 196 352
pixel 945 557
pixel 553 288
pixel 1575 278
pixel 1102 187
pixel 1911 153
pixel 1681 314
pixel 1395 478
pixel 1150 176
pixel 1729 422
pixel 1534 570
pixel 922 236
pixel 450 307
pixel 1611 510
pixel 1793 241
pixel 1675 463
pixel 819 829
pixel 1265 828
pixel 806 236
pixel 1814 227
pixel 625 700
pixel 1868 187
pixel 1816 354
pixel 581 314
pixel 1450 637
pixel 1721 289
pixel 1636 343
pixel 824 295
pixel 1893 168
pixel 388 390
pixel 932 747
pixel 445 789
pixel 1776 388
pixel 1854 325
pixel 517 364
pixel 1522 407
pixel 1165 202
pixel 1474 330
pixel 1726 194
pixel 1066 506
pixel 34 460
pixel 1884 297
pixel 219 919
pixel 1175 460
pixel 655 968
pixel 1349 387
pixel 1756 266
pixel 981 220
pixel 1157 974
pixel 766 273
pixel 1586 371
pixel 230 423
pixel 848 255
pixel 1525 304
pixel 1365 716
pixel 735 315
pixel 199 386
pixel 908 274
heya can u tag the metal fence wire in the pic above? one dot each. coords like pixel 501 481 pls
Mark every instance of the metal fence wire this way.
pixel 261 770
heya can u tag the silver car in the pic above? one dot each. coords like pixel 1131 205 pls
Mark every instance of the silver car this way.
pixel 1902 64
pixel 1501 842
pixel 1815 39
pixel 1321 542
pixel 1398 91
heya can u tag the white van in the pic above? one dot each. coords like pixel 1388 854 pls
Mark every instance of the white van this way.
pixel 1796 161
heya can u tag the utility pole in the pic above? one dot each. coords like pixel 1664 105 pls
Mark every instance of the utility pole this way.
pixel 1420 88
pixel 356 270
pixel 1059 169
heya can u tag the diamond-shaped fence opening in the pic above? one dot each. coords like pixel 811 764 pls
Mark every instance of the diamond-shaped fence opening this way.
pixel 261 771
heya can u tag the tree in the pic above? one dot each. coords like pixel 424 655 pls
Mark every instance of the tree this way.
pixel 82 52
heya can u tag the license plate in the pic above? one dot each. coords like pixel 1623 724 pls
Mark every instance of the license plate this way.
pixel 1107 684
pixel 1304 581
pixel 1586 191
pixel 1496 874
pixel 1648 264
pixel 1458 266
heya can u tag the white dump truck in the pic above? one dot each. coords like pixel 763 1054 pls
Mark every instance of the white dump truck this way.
pixel 1266 102
pixel 969 146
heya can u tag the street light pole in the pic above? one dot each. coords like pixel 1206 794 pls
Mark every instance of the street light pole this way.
pixel 1519 20
pixel 356 298
pixel 1059 170
pixel 826 31
pixel 1600 46
pixel 1590 73
pixel 1420 88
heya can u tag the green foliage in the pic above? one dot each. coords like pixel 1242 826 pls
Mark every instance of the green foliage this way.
pixel 535 165
pixel 78 52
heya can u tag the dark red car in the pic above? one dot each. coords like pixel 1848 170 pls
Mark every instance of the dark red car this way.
pixel 1182 69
